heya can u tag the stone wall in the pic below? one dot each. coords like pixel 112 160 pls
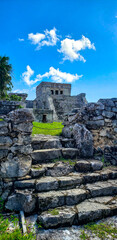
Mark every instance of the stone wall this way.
pixel 101 120
pixel 15 144
pixel 8 106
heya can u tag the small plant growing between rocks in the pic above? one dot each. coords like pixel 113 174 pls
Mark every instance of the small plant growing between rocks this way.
pixel 101 230
pixel 53 211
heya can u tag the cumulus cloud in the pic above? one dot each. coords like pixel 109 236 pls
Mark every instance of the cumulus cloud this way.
pixel 27 75
pixel 21 39
pixel 48 38
pixel 55 74
pixel 70 48
pixel 21 91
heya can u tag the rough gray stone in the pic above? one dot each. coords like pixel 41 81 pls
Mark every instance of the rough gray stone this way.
pixel 21 200
pixel 59 169
pixel 17 167
pixel 47 184
pixel 108 114
pixel 74 196
pixel 90 211
pixel 21 116
pixel 96 165
pixel 69 153
pixel 83 166
pixel 44 155
pixel 3 153
pixel 37 172
pixel 51 199
pixel 65 216
pixel 24 149
pixel 5 141
pixel 25 184
pixel 84 140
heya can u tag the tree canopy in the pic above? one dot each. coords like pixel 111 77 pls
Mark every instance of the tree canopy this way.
pixel 5 76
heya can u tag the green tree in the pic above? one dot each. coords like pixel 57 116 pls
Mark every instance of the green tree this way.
pixel 5 76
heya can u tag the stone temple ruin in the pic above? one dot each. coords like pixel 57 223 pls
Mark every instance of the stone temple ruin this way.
pixel 53 102
pixel 74 174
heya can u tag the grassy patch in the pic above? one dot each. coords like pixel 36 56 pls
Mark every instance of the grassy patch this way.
pixel 16 233
pixel 1 119
pixel 53 211
pixel 53 129
pixel 71 162
pixel 101 230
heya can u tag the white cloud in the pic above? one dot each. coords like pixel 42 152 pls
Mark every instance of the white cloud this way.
pixel 115 16
pixel 48 38
pixel 27 75
pixel 55 74
pixel 70 48
pixel 21 39
pixel 21 91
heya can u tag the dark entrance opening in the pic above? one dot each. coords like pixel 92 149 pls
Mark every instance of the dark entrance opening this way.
pixel 44 120
pixel 56 92
pixel 52 92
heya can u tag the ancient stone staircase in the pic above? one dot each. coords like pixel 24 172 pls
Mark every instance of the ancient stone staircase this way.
pixel 47 148
pixel 64 192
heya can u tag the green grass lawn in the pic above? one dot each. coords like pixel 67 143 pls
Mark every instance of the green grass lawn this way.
pixel 53 129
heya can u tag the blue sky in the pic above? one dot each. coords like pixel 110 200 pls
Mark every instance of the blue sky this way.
pixel 72 41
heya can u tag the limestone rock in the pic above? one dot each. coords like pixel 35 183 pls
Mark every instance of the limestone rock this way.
pixel 37 172
pixel 5 141
pixel 17 167
pixel 21 116
pixel 59 169
pixel 65 216
pixel 82 166
pixel 21 200
pixel 90 211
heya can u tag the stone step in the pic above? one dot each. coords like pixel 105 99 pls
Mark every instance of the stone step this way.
pixel 87 211
pixel 72 180
pixel 46 155
pixel 53 199
pixel 45 142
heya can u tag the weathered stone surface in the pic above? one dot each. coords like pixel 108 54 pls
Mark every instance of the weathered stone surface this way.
pixel 21 200
pixel 69 153
pixel 52 143
pixel 5 141
pixel 37 172
pixel 84 140
pixel 17 167
pixel 44 155
pixel 47 184
pixel 59 169
pixel 51 199
pixel 5 194
pixel 102 188
pixel 90 211
pixel 74 196
pixel 108 114
pixel 3 124
pixel 82 166
pixel 21 116
pixel 3 131
pixel 24 149
pixel 70 181
pixel 23 127
pixel 96 165
pixel 30 184
pixel 3 153
pixel 64 217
